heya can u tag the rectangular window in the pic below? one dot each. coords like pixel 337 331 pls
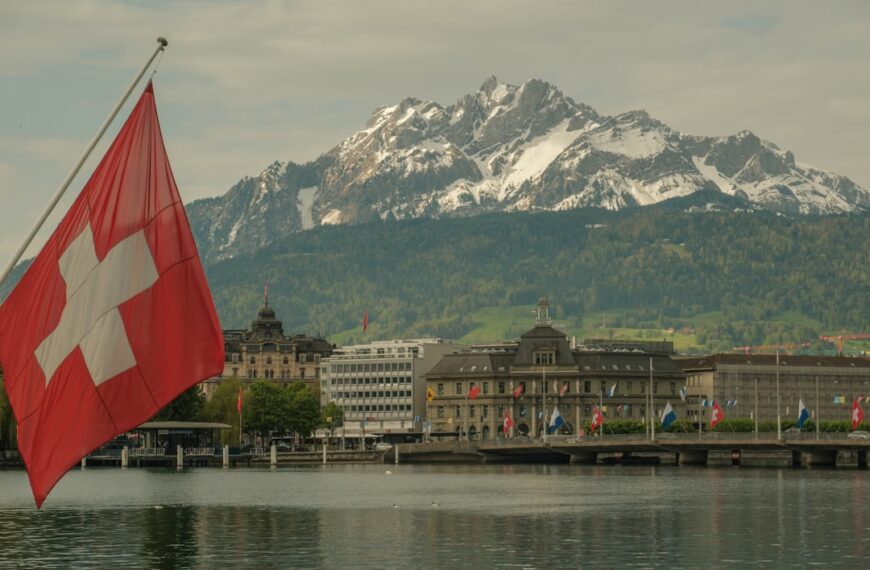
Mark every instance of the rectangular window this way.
pixel 501 387
pixel 440 389
pixel 486 387
pixel 544 358
pixel 471 411
pixel 458 412
pixel 485 411
pixel 587 386
pixel 458 389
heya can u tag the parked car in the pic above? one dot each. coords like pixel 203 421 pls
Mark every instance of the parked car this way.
pixel 859 434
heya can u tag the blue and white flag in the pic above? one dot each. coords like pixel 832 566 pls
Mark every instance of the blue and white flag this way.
pixel 705 403
pixel 612 391
pixel 668 416
pixel 803 414
pixel 556 421
pixel 683 393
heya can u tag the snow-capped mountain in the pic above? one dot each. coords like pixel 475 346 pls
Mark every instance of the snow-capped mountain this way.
pixel 504 148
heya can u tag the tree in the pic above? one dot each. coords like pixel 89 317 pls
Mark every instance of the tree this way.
pixel 223 408
pixel 268 408
pixel 305 414
pixel 332 415
pixel 185 408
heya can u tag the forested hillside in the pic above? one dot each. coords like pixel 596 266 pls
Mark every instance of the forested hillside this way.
pixel 653 267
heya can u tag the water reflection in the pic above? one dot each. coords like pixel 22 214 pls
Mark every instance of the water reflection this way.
pixel 440 516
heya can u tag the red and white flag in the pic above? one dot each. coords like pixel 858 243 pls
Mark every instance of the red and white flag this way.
pixel 597 419
pixel 518 392
pixel 857 415
pixel 239 402
pixel 717 415
pixel 474 392
pixel 365 320
pixel 508 423
pixel 563 390
pixel 113 319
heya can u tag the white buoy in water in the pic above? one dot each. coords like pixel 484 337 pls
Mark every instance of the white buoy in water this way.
pixel 388 472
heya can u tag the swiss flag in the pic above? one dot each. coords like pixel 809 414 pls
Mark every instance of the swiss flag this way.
pixel 508 423
pixel 113 319
pixel 365 320
pixel 857 415
pixel 717 415
pixel 474 392
pixel 597 419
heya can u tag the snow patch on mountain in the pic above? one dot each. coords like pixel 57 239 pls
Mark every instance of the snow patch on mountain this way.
pixel 536 155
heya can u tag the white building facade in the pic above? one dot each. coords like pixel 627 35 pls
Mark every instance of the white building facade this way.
pixel 381 386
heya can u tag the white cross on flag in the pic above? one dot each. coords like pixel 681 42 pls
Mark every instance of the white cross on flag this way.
pixel 857 415
pixel 717 415
pixel 113 319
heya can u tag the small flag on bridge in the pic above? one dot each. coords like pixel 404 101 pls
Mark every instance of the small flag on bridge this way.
pixel 717 416
pixel 668 416
pixel 683 393
pixel 803 414
pixel 556 421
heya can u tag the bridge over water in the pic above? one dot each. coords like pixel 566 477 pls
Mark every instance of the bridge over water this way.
pixel 684 449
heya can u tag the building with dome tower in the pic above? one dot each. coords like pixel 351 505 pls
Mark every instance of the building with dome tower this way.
pixel 264 352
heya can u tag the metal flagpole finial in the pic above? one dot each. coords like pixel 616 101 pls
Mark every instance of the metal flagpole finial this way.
pixel 162 41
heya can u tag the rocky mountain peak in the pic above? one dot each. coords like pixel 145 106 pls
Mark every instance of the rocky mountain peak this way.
pixel 511 147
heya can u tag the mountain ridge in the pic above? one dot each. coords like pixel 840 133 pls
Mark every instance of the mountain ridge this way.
pixel 505 147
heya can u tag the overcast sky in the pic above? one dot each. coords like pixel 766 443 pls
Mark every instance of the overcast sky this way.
pixel 243 84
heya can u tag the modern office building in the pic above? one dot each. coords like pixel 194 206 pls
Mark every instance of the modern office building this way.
pixel 381 386
pixel 745 385
pixel 543 371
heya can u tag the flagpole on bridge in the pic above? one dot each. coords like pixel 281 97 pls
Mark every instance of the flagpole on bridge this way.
pixel 161 45
pixel 652 420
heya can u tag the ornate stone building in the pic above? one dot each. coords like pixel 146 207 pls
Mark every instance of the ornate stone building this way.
pixel 545 371
pixel 264 352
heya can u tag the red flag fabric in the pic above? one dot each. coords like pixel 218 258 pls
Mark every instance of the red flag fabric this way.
pixel 518 392
pixel 717 415
pixel 597 420
pixel 113 319
pixel 857 415
pixel 365 320
pixel 564 389
pixel 508 423
pixel 239 402
pixel 474 392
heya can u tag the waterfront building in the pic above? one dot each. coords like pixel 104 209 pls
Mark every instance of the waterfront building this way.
pixel 745 385
pixel 264 352
pixel 545 370
pixel 381 386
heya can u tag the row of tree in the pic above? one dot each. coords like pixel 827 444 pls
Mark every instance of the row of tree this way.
pixel 268 409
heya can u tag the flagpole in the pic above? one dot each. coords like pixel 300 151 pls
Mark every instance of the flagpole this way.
pixel 778 418
pixel 161 44
pixel 544 403
pixel 818 409
pixel 652 424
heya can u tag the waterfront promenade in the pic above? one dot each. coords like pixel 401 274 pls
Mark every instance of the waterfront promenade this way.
pixel 808 449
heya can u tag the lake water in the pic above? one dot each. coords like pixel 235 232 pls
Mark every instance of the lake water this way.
pixel 431 516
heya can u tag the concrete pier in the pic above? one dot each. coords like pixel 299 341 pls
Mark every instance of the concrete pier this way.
pixel 590 458
pixel 821 458
pixel 693 457
pixel 226 457
pixel 125 457
pixel 273 457
pixel 179 458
